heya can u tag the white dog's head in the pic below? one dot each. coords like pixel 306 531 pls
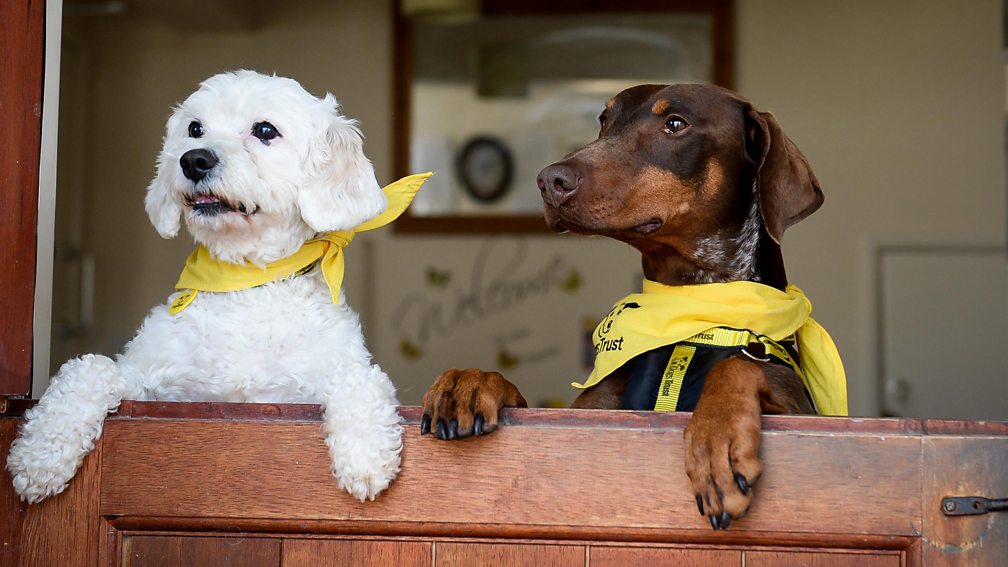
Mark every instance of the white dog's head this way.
pixel 256 165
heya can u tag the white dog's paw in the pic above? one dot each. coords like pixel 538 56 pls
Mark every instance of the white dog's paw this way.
pixel 62 429
pixel 37 472
pixel 364 485
pixel 365 467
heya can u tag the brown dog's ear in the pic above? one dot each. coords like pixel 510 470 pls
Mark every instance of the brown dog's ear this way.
pixel 788 190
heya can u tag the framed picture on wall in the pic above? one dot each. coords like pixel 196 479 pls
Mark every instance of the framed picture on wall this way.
pixel 488 93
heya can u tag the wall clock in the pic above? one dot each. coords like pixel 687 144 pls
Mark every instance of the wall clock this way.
pixel 484 167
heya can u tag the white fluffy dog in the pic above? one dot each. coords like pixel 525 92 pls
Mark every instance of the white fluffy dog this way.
pixel 257 167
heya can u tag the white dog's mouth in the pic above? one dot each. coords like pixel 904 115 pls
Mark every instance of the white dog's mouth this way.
pixel 207 204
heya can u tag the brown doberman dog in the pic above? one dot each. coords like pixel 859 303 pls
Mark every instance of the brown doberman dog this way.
pixel 703 185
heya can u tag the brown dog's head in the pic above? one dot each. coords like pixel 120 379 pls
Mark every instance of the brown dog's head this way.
pixel 693 176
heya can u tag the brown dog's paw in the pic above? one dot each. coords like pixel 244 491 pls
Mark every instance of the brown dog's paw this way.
pixel 462 403
pixel 722 442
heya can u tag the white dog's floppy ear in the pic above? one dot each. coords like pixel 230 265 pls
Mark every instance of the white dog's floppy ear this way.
pixel 163 209
pixel 343 191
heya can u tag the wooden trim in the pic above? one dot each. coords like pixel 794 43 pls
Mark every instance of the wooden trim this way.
pixel 541 417
pixel 612 536
pixel 722 73
pixel 402 72
pixel 21 63
pixel 913 554
pixel 109 545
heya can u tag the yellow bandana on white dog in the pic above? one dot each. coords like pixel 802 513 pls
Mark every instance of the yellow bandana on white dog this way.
pixel 203 272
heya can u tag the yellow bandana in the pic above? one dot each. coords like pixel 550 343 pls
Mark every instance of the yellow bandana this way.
pixel 203 272
pixel 664 315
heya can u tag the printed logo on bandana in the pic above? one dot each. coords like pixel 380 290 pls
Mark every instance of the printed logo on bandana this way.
pixel 604 343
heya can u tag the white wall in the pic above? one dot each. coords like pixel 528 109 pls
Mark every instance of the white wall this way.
pixel 898 105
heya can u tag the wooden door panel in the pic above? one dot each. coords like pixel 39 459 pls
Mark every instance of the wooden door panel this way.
pixel 662 557
pixel 536 463
pixel 511 554
pixel 355 553
pixel 955 465
pixel 62 530
pixel 217 551
pixel 817 559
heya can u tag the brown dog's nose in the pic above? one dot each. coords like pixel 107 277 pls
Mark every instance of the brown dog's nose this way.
pixel 558 183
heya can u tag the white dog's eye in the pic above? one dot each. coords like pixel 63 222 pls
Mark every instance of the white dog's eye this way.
pixel 264 131
pixel 195 129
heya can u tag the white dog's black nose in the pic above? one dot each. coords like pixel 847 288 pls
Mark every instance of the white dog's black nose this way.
pixel 197 163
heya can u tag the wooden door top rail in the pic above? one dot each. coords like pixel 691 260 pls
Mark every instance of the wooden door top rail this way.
pixel 540 417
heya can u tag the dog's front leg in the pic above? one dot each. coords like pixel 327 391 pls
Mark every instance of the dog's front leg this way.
pixel 63 427
pixel 722 439
pixel 363 431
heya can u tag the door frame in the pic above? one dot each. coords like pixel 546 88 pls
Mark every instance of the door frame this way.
pixel 29 87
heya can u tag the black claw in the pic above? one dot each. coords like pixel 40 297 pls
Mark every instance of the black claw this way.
pixel 453 428
pixel 725 520
pixel 743 485
pixel 699 504
pixel 715 522
pixel 478 424
pixel 442 429
pixel 425 422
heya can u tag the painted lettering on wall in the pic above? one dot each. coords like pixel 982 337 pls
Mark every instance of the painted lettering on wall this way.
pixel 501 279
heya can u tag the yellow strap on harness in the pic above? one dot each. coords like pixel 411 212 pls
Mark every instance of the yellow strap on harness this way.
pixel 682 356
pixel 672 379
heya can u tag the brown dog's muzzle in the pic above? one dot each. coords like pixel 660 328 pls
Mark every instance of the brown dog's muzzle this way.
pixel 558 183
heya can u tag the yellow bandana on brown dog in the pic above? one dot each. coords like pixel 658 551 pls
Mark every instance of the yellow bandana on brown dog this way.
pixel 664 315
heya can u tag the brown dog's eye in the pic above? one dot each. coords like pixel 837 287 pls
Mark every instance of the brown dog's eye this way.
pixel 602 119
pixel 676 124
pixel 195 129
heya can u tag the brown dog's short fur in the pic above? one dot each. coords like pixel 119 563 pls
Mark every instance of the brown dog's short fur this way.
pixel 703 185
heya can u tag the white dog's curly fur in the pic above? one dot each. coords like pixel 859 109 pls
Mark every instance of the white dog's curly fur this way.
pixel 289 166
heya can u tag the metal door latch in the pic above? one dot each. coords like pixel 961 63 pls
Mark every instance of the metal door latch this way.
pixel 972 505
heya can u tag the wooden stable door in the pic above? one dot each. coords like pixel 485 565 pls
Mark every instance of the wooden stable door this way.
pixel 248 484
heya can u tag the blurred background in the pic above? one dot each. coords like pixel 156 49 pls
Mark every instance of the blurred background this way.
pixel 900 107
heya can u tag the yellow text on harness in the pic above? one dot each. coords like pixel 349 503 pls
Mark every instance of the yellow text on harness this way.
pixel 672 379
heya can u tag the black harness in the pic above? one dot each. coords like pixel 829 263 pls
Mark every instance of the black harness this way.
pixel 671 378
